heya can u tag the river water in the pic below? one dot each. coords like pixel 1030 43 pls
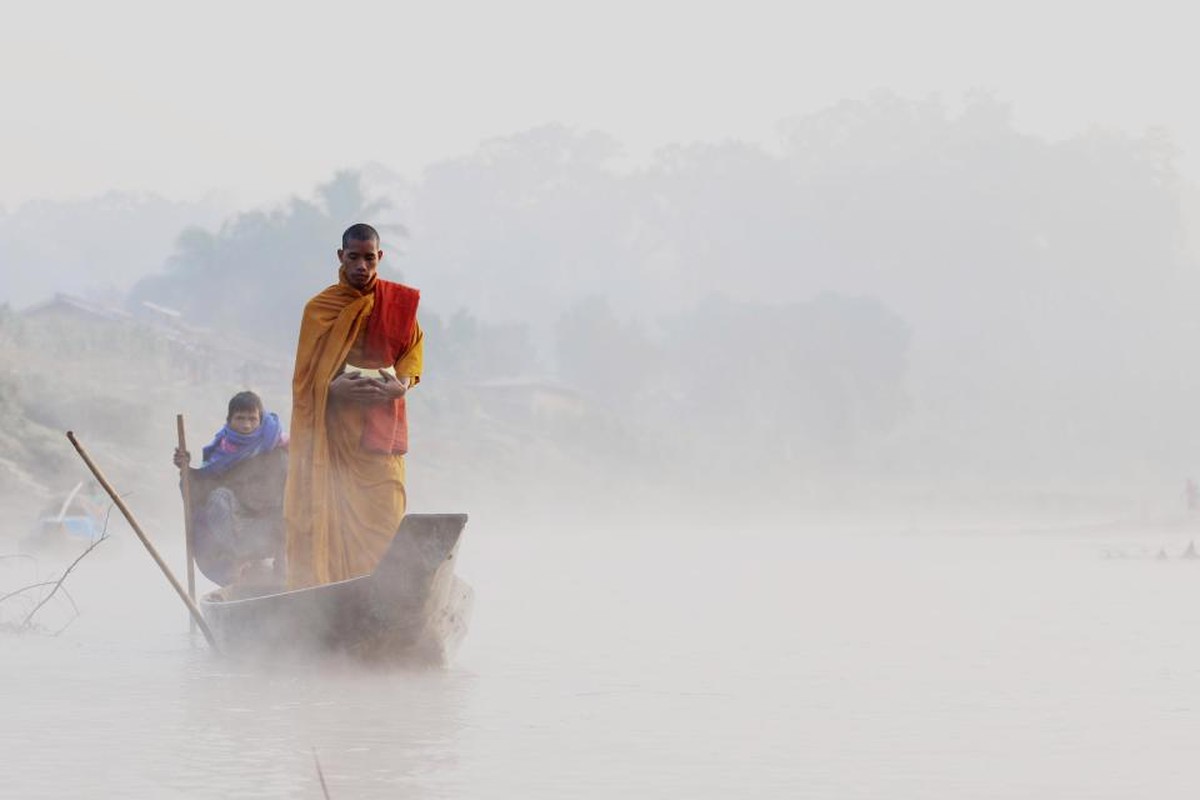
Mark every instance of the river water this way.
pixel 761 662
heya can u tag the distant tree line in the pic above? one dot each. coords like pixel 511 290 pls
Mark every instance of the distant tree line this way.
pixel 899 285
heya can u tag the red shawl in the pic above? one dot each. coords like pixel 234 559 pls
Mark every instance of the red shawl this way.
pixel 389 334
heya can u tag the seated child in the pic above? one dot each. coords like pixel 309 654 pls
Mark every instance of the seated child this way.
pixel 237 495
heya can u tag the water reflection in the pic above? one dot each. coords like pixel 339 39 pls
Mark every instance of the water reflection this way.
pixel 179 722
pixel 777 663
pixel 377 732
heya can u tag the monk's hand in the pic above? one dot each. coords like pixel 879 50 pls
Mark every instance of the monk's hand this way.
pixel 182 458
pixel 393 387
pixel 353 387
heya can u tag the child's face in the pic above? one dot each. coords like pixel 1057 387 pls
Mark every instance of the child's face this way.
pixel 245 421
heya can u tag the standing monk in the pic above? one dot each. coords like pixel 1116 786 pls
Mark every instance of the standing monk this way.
pixel 359 353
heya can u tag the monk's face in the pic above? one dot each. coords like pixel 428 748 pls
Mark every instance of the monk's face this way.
pixel 359 259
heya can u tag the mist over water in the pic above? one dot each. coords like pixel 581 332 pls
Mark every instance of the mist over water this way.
pixel 799 502
pixel 853 460
pixel 741 661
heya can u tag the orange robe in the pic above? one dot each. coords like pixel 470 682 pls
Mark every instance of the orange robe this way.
pixel 343 503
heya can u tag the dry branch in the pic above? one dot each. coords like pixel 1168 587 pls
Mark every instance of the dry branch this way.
pixel 58 584
pixel 24 589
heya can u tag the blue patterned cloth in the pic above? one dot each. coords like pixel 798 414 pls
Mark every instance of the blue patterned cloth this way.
pixel 229 447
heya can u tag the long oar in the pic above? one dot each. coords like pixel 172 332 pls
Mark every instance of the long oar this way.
pixel 185 482
pixel 162 565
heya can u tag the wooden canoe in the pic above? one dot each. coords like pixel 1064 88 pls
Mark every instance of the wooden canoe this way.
pixel 412 608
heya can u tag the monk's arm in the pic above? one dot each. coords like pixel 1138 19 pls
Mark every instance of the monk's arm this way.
pixel 410 362
pixel 407 368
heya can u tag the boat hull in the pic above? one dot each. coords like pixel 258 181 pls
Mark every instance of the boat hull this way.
pixel 411 608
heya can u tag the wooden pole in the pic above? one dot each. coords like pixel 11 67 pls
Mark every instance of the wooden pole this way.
pixel 186 484
pixel 162 565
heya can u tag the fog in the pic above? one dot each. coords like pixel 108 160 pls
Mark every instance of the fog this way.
pixel 820 384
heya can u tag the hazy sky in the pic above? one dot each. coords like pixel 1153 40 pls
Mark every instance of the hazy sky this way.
pixel 262 99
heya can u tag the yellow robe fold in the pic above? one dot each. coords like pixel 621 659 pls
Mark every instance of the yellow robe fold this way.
pixel 342 504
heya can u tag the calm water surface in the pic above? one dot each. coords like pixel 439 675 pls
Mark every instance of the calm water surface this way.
pixel 753 663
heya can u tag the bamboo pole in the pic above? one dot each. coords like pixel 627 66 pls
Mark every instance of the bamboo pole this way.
pixel 162 565
pixel 186 484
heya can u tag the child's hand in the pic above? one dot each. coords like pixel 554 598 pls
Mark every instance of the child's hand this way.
pixel 182 458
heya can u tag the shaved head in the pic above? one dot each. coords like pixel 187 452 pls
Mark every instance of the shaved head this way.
pixel 360 232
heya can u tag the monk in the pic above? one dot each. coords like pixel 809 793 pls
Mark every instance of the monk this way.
pixel 359 353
